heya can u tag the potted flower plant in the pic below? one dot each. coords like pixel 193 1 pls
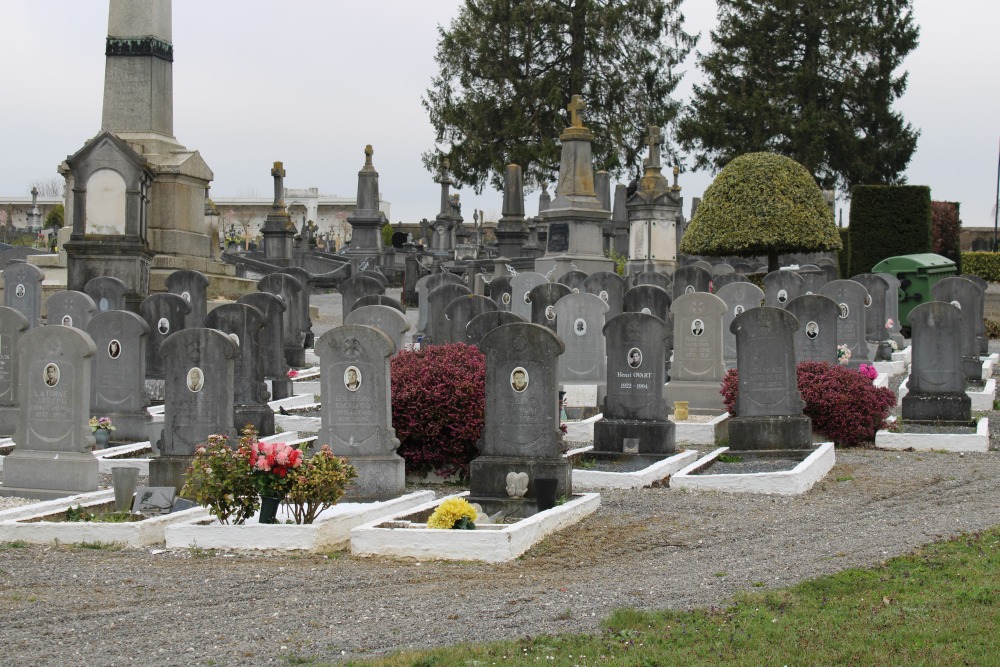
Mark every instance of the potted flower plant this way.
pixel 270 463
pixel 102 428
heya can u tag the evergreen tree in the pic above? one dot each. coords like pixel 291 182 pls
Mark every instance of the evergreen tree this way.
pixel 508 68
pixel 810 79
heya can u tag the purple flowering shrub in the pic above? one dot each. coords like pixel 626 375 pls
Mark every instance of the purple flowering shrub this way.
pixel 439 406
pixel 843 404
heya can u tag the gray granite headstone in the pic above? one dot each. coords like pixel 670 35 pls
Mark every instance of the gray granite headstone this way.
pixel 813 278
pixel 816 337
pixel 718 282
pixel 966 295
pixel 697 369
pixel 438 329
pixel 981 339
pixel 520 288
pixel 288 287
pixel 376 275
pixel 543 303
pixel 272 342
pixel 356 412
pixel 118 388
pixel 250 395
pixel 22 290
pixel 12 326
pixel 634 408
pixel 769 407
pixel 54 441
pixel 480 325
pixel 192 286
pixel 580 320
pixel 654 278
pixel 690 278
pixel 892 308
pixel 875 315
pixel 499 291
pixel 198 398
pixel 165 314
pixel 649 299
pixel 107 292
pixel 739 297
pixel 378 300
pixel 782 286
pixel 424 287
pixel 937 382
pixel 521 431
pixel 463 309
pixel 355 288
pixel 829 267
pixel 610 287
pixel 302 309
pixel 386 319
pixel 573 280
pixel 721 269
pixel 850 297
pixel 70 309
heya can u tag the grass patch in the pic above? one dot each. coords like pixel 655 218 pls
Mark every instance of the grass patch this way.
pixel 729 458
pixel 105 546
pixel 16 544
pixel 937 606
pixel 845 478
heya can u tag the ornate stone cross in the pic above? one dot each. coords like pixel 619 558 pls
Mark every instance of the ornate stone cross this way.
pixel 575 108
pixel 368 155
pixel 653 139
pixel 279 183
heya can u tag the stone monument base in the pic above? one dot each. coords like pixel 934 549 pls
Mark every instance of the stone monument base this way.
pixel 130 427
pixel 556 265
pixel 703 397
pixel 8 419
pixel 261 417
pixel 488 475
pixel 770 433
pixel 937 408
pixel 295 357
pixel 647 437
pixel 46 474
pixel 169 471
pixel 379 477
pixel 972 368
pixel 281 388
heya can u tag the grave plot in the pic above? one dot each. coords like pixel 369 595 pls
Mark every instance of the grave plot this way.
pixel 597 470
pixel 406 535
pixel 787 472
pixel 971 437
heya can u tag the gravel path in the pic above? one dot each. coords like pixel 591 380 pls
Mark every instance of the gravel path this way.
pixel 651 548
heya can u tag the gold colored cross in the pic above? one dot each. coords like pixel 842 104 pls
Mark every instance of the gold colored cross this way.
pixel 575 108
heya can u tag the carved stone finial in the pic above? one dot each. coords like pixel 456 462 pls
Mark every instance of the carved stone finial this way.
pixel 278 172
pixel 576 107
pixel 368 155
pixel 677 172
pixel 653 140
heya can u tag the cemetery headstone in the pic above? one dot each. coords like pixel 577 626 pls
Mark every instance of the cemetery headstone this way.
pixel 654 278
pixel 198 398
pixel 22 290
pixel 287 287
pixel 378 300
pixel 892 308
pixel 697 369
pixel 981 338
pixel 875 315
pixel 272 342
pixel 118 388
pixel 963 293
pixel 574 280
pixel 386 319
pixel 722 269
pixel 165 314
pixel 355 288
pixel 54 441
pixel 635 414
pixel 718 282
pixel 580 320
pixel 520 288
pixel 356 412
pixel 376 275
pixel 192 286
pixel 480 325
pixel 851 298
pixel 690 278
pixel 769 406
pixel 816 337
pixel 610 287
pixel 937 381
pixel 107 292
pixel 499 291
pixel 782 286
pixel 461 310
pixel 12 326
pixel 70 309
pixel 302 311
pixel 813 278
pixel 543 303
pixel 424 287
pixel 521 431
pixel 739 298
pixel 250 395
pixel 438 329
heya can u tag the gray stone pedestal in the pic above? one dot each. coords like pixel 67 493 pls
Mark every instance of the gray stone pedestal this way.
pixel 380 477
pixel 169 471
pixel 649 437
pixel 8 419
pixel 489 476
pixel 937 408
pixel 48 474
pixel 770 432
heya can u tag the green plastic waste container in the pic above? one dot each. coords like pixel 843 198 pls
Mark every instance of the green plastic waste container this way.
pixel 916 274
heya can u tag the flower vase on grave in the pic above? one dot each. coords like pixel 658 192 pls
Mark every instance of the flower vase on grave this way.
pixel 884 351
pixel 269 509
pixel 103 437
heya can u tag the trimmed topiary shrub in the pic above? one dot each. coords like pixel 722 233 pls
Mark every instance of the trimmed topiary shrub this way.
pixel 986 265
pixel 844 256
pixel 761 204
pixel 438 407
pixel 946 225
pixel 843 404
pixel 886 221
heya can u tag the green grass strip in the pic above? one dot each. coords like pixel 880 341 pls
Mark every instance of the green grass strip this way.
pixel 937 606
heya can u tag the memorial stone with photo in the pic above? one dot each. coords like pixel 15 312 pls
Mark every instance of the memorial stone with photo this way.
pixel 481 325
pixel 543 303
pixel 698 367
pixel 272 342
pixel 118 389
pixel 816 337
pixel 70 309
pixel 192 286
pixel 520 288
pixel 22 291
pixel 782 286
pixel 386 319
pixel 739 298
pixel 851 298
pixel 107 292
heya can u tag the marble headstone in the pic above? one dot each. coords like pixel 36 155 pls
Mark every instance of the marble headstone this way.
pixel 355 288
pixel 610 287
pixel 816 337
pixel 12 326
pixel 983 341
pixel 580 319
pixel 782 286
pixel 425 286
pixel 480 325
pixel 697 369
pixel 302 308
pixel 287 288
pixel 875 315
pixel 272 342
pixel 386 319
pixel 690 278
pixel 22 291
pixel 463 309
pixel 118 388
pixel 965 294
pixel 574 280
pixel 438 329
pixel 543 303
pixel 520 288
pixel 654 278
pixel 499 291
pixel 192 286
pixel 70 309
pixel 165 314
pixel 378 300
pixel 937 381
pixel 107 292
pixel 851 298
pixel 739 298
pixel 892 308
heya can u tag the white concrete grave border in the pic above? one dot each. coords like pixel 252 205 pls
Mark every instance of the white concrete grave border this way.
pixel 331 530
pixel 598 479
pixel 798 480
pixel 929 442
pixel 982 401
pixel 397 537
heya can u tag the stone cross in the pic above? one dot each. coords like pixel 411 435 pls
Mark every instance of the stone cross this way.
pixel 653 139
pixel 279 184
pixel 34 196
pixel 677 171
pixel 576 107
pixel 443 171
pixel 368 155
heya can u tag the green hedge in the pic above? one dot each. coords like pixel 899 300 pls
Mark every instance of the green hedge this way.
pixel 986 265
pixel 947 225
pixel 888 220
pixel 844 254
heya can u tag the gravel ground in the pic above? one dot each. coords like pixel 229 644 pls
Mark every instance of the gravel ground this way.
pixel 650 548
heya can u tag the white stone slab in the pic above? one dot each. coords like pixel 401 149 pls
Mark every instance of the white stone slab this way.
pixel 581 431
pixel 331 530
pixel 903 355
pixel 890 367
pixel 492 543
pixel 297 423
pixel 989 363
pixel 703 430
pixel 786 482
pixel 124 456
pixel 580 395
pixel 306 387
pixel 131 534
pixel 881 380
pixel 943 442
pixel 598 479
pixel 295 401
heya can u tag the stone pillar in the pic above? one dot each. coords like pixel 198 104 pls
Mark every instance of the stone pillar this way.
pixel 512 232
pixel 367 220
pixel 653 213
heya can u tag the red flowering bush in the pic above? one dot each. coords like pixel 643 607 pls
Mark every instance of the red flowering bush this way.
pixel 438 406
pixel 843 404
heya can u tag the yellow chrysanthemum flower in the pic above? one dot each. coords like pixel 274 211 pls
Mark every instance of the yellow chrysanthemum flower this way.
pixel 450 512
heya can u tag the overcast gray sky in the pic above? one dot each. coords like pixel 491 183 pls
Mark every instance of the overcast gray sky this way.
pixel 311 82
